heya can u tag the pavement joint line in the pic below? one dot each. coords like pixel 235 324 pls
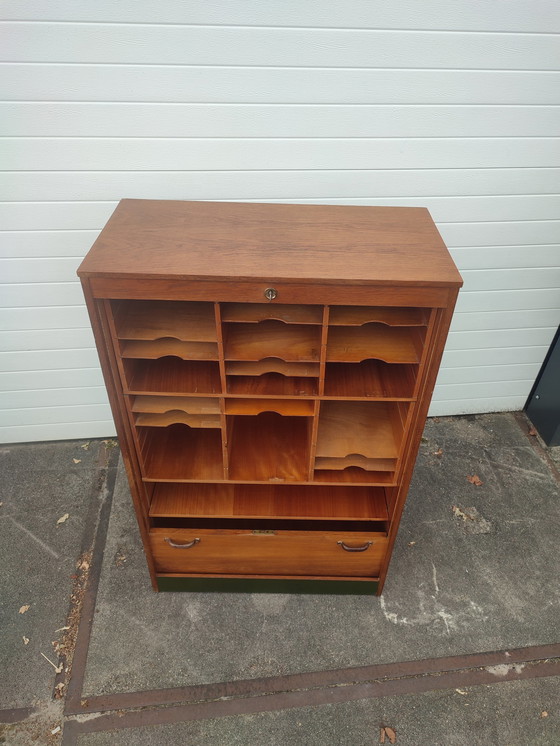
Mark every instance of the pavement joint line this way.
pixel 243 688
pixel 145 717
pixel 93 541
pixel 357 682
pixel 16 714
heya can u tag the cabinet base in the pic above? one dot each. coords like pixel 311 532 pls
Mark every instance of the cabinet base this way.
pixel 264 585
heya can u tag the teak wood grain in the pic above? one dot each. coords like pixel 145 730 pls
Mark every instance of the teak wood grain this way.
pixel 390 344
pixel 270 364
pixel 370 379
pixel 169 375
pixel 190 404
pixel 348 428
pixel 163 347
pixel 370 245
pixel 359 315
pixel 291 343
pixel 291 552
pixel 268 501
pixel 188 322
pixel 256 312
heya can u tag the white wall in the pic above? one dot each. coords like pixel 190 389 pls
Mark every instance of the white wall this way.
pixel 450 105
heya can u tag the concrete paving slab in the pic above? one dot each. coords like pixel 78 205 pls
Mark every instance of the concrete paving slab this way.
pixel 40 484
pixel 480 577
pixel 506 714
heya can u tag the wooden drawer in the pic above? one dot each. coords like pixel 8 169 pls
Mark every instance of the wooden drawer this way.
pixel 236 551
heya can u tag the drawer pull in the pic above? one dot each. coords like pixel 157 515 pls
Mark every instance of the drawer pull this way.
pixel 188 545
pixel 354 549
pixel 270 293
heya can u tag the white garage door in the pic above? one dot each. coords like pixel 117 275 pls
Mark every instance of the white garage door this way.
pixel 452 106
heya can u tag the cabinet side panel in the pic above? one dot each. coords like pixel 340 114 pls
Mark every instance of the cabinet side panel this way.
pixel 436 344
pixel 109 369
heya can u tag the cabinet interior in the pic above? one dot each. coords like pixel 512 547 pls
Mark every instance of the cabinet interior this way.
pixel 268 411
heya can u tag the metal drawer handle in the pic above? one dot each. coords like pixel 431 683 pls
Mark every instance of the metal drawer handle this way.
pixel 270 293
pixel 188 545
pixel 354 549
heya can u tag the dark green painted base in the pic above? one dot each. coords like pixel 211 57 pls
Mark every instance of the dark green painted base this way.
pixel 263 585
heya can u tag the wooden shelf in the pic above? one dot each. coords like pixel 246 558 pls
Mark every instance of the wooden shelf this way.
pixel 355 459
pixel 272 365
pixel 287 407
pixel 161 404
pixel 290 342
pixel 177 416
pixel 152 319
pixel 257 312
pixel 359 315
pixel 272 384
pixel 268 501
pixel 352 344
pixel 369 429
pixel 354 475
pixel 370 379
pixel 179 452
pixel 152 350
pixel 169 375
pixel 268 448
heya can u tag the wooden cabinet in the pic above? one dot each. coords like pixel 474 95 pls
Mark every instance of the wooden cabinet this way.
pixel 269 369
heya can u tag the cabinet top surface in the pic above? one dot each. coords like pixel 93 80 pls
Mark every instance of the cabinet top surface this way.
pixel 255 241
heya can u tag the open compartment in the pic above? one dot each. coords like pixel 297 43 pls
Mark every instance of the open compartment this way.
pixel 160 411
pixel 391 316
pixel 289 342
pixel 363 436
pixel 268 447
pixel 272 377
pixel 256 312
pixel 152 350
pixel 179 452
pixel 170 375
pixel 392 344
pixel 155 319
pixel 373 379
pixel 286 407
pixel 284 502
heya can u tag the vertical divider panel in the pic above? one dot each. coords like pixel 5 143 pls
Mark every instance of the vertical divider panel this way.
pixel 323 357
pixel 126 398
pixel 412 407
pixel 321 389
pixel 223 380
pixel 115 341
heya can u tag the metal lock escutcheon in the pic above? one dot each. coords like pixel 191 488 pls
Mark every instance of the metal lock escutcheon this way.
pixel 270 293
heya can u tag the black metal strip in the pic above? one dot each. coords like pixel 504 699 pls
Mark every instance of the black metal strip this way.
pixel 317 679
pixel 524 423
pixel 267 585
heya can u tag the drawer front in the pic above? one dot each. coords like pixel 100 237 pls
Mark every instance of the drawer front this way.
pixel 281 553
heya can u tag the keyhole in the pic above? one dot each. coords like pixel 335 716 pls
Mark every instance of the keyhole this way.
pixel 270 293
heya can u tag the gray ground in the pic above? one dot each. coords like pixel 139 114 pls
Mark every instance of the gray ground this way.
pixel 40 484
pixel 505 715
pixel 465 585
pixel 475 569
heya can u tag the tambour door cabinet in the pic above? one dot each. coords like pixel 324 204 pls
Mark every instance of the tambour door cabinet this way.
pixel 269 369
